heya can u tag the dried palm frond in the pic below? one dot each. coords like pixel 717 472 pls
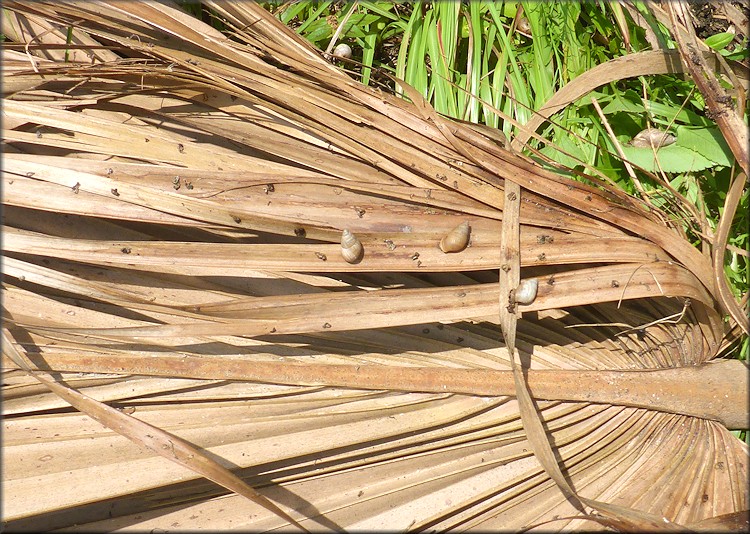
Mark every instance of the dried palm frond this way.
pixel 174 210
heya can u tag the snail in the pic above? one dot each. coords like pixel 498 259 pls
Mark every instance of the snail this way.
pixel 652 137
pixel 523 26
pixel 457 239
pixel 342 50
pixel 526 291
pixel 351 248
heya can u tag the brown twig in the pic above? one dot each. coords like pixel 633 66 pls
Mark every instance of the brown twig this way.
pixel 718 101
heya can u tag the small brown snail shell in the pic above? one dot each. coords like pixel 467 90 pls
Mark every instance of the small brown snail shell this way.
pixel 652 137
pixel 342 50
pixel 526 291
pixel 457 239
pixel 523 25
pixel 351 249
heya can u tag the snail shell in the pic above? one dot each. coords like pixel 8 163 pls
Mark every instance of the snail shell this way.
pixel 457 239
pixel 523 25
pixel 351 248
pixel 652 137
pixel 526 291
pixel 342 50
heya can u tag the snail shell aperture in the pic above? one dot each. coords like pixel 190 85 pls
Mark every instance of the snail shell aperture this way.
pixel 457 239
pixel 342 50
pixel 526 291
pixel 351 248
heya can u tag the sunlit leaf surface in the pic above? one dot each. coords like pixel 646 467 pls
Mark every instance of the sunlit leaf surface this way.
pixel 173 210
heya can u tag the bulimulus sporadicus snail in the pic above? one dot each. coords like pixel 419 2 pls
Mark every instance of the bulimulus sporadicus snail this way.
pixel 342 50
pixel 523 25
pixel 457 239
pixel 652 137
pixel 351 248
pixel 526 291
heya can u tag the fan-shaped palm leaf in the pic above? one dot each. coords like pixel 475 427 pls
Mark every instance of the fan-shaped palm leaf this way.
pixel 173 217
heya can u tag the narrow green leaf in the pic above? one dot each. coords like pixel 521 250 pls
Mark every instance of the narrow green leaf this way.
pixel 672 158
pixel 314 17
pixel 719 41
pixel 381 8
pixel 368 55
pixel 708 142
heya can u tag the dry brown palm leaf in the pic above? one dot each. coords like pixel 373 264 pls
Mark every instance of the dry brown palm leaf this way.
pixel 172 241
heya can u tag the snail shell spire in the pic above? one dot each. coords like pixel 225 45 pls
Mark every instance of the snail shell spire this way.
pixel 351 248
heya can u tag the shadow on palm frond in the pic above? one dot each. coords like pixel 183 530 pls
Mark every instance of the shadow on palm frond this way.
pixel 174 211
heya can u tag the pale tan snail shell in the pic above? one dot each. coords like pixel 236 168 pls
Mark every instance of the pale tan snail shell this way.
pixel 342 50
pixel 526 291
pixel 351 248
pixel 652 137
pixel 457 239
